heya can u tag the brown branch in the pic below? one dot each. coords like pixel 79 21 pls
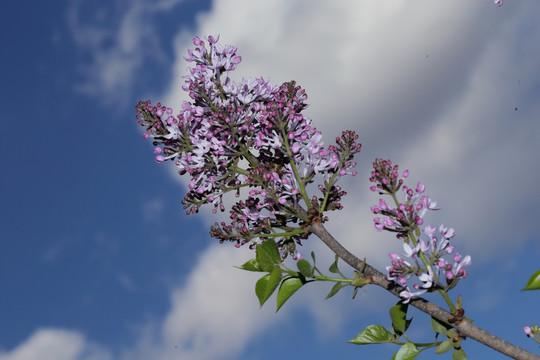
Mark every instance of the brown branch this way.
pixel 464 327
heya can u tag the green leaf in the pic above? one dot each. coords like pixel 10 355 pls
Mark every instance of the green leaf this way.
pixel 409 351
pixel 287 288
pixel 534 282
pixel 373 334
pixel 459 354
pixel 251 265
pixel 445 346
pixel 338 286
pixel 305 268
pixel 398 314
pixel 260 288
pixel 268 255
pixel 266 285
pixel 313 257
pixel 334 267
pixel 439 327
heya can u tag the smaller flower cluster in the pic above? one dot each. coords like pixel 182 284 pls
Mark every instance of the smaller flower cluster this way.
pixel 439 269
pixel 426 251
pixel 407 215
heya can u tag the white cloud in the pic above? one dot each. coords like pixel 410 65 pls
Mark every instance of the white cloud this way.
pixel 213 315
pixel 55 344
pixel 115 38
pixel 217 307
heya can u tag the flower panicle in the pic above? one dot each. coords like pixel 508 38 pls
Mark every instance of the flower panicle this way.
pixel 427 255
pixel 249 138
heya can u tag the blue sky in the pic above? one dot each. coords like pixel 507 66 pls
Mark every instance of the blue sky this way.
pixel 98 260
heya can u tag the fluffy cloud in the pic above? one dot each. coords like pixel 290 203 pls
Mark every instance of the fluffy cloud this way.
pixel 55 344
pixel 115 39
pixel 213 315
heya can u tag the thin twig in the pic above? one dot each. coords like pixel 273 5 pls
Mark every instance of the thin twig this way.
pixel 464 327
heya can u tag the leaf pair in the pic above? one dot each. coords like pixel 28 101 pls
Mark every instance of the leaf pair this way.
pixel 268 259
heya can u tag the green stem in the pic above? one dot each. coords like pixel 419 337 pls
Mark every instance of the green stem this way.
pixel 327 278
pixel 448 301
pixel 299 180
pixel 327 193
pixel 281 234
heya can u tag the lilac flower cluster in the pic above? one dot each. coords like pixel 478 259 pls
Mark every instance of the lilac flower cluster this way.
pixel 249 135
pixel 425 251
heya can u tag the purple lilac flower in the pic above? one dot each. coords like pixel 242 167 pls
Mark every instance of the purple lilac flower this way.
pixel 248 135
pixel 405 215
pixel 407 294
pixel 428 255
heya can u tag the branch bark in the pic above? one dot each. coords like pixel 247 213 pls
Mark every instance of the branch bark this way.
pixel 464 327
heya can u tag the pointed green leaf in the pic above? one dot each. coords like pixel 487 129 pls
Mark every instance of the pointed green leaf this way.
pixel 409 351
pixel 313 257
pixel 305 268
pixel 459 354
pixel 260 288
pixel 268 255
pixel 534 282
pixel 398 314
pixel 338 286
pixel 373 334
pixel 273 282
pixel 287 288
pixel 251 265
pixel 266 285
pixel 445 346
pixel 439 327
pixel 334 267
